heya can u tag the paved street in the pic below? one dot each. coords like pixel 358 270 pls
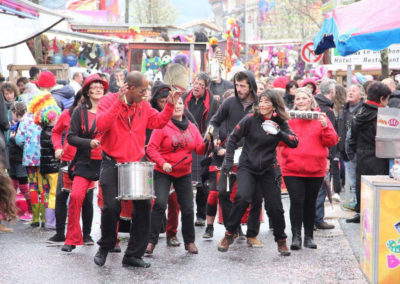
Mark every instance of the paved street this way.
pixel 25 258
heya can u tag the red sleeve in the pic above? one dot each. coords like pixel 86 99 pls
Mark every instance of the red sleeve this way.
pixel 201 147
pixel 58 129
pixel 160 119
pixel 328 135
pixel 107 111
pixel 154 145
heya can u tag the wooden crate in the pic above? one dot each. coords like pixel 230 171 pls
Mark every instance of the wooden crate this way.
pixel 60 70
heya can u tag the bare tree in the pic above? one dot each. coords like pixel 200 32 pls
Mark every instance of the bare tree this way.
pixel 153 12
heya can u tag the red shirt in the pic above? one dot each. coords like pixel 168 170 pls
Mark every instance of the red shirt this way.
pixel 310 157
pixel 95 154
pixel 62 126
pixel 171 145
pixel 123 127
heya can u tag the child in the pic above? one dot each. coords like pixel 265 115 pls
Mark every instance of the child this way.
pixel 46 113
pixel 17 171
pixel 28 138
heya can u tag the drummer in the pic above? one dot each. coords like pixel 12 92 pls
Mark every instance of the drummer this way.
pixel 224 121
pixel 171 148
pixel 123 118
pixel 258 172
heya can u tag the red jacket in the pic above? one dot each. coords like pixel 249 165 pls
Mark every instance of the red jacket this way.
pixel 309 159
pixel 124 127
pixel 62 125
pixel 171 145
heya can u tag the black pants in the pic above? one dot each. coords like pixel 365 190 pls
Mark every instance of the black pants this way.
pixel 184 192
pixel 224 197
pixel 335 176
pixel 112 207
pixel 201 191
pixel 303 192
pixel 251 188
pixel 61 208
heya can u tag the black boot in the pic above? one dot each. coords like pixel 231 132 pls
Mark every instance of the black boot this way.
pixel 309 242
pixel 296 240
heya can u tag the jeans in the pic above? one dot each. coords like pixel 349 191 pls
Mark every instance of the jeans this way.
pixel 350 168
pixel 251 189
pixel 319 206
pixel 140 225
pixel 303 192
pixel 184 192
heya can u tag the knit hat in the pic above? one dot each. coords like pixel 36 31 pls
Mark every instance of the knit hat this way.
pixel 44 109
pixel 46 80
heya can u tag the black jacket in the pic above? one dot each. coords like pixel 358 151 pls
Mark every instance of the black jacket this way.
pixel 289 100
pixel 344 122
pixel 259 150
pixel 15 152
pixel 4 125
pixel 394 99
pixel 48 162
pixel 326 106
pixel 231 111
pixel 79 136
pixel 362 142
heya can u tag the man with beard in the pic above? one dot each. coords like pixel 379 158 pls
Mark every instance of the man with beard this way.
pixel 202 105
pixel 227 117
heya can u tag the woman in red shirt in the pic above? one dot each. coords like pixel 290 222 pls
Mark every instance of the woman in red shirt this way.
pixel 304 167
pixel 171 149
pixel 84 136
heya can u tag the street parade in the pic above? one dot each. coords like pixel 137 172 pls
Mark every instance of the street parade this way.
pixel 182 141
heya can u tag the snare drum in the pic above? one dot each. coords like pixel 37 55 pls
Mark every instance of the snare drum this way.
pixel 135 181
pixel 270 127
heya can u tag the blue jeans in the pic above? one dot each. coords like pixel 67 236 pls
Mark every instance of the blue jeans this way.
pixel 350 168
pixel 319 205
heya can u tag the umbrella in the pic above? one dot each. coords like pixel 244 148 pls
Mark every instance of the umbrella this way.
pixel 328 190
pixel 367 24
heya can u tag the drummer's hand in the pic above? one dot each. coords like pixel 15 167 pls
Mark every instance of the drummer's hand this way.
pixel 167 167
pixel 221 152
pixel 123 91
pixel 58 153
pixel 94 143
pixel 322 119
pixel 174 96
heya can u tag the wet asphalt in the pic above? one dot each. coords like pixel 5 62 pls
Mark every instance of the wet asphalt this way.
pixel 26 258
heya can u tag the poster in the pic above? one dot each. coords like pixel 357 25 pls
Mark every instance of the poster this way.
pixel 366 229
pixel 389 237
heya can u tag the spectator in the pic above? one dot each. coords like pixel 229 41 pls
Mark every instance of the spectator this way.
pixel 34 74
pixel 21 82
pixel 76 82
pixel 288 97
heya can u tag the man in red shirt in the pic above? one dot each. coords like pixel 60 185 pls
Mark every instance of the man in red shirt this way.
pixel 122 118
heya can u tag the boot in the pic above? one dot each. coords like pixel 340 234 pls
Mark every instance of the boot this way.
pixel 42 215
pixel 282 247
pixel 50 216
pixel 36 215
pixel 296 240
pixel 309 242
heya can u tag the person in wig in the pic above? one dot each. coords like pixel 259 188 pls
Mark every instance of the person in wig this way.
pixel 46 113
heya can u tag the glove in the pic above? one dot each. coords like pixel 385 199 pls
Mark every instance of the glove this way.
pixel 226 167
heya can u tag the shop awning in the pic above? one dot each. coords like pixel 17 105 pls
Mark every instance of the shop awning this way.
pixel 22 20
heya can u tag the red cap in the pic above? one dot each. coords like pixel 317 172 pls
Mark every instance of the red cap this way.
pixel 46 80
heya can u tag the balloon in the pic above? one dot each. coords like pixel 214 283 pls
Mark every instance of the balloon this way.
pixel 71 59
pixel 57 58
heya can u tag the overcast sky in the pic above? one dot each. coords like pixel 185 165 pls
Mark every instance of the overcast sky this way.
pixel 192 10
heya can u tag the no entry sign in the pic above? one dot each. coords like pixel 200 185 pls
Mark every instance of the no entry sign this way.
pixel 307 53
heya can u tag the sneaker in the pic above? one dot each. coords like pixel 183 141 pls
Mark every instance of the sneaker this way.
pixel 35 224
pixel 355 219
pixel 254 243
pixel 226 241
pixel 27 217
pixel 209 233
pixel 56 239
pixel 68 248
pixel 4 229
pixel 87 240
pixel 350 206
pixel 173 241
pixel 324 226
pixel 200 222
pixel 336 197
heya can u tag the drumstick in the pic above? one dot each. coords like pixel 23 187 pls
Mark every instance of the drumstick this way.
pixel 227 182
pixel 179 162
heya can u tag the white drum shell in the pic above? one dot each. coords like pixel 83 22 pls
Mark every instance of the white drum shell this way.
pixel 135 181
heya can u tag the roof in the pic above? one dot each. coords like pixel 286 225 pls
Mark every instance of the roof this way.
pixel 206 23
